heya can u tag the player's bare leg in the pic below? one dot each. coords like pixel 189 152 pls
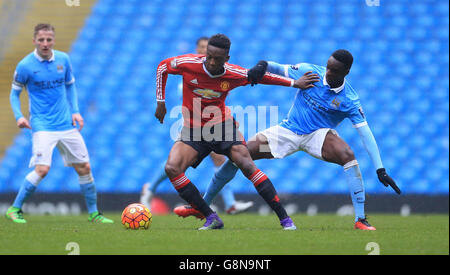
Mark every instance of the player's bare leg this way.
pixel 217 159
pixel 258 146
pixel 182 156
pixel 336 150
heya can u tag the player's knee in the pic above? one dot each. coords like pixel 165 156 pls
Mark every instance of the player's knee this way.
pixel 172 170
pixel 42 170
pixel 83 168
pixel 346 155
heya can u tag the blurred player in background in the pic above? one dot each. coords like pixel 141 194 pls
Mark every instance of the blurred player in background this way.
pixel 231 205
pixel 209 125
pixel 317 110
pixel 47 76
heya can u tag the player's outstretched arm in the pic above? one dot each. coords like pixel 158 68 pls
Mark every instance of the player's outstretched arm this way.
pixel 371 146
pixel 259 71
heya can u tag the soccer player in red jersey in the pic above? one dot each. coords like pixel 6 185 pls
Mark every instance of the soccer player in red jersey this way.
pixel 209 125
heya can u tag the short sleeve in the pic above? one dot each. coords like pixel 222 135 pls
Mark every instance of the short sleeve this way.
pixel 357 116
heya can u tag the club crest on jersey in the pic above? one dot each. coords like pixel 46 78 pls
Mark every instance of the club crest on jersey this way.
pixel 60 68
pixel 207 93
pixel 335 103
pixel 225 85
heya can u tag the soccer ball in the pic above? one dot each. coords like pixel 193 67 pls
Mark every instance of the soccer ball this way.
pixel 136 216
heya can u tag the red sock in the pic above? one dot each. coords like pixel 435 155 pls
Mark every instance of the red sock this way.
pixel 180 181
pixel 188 192
pixel 267 191
pixel 257 177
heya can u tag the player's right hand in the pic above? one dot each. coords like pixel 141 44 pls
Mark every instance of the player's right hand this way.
pixel 161 111
pixel 23 123
pixel 306 81
pixel 255 74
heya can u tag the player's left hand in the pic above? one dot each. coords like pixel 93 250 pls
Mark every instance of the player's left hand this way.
pixel 306 81
pixel 387 180
pixel 255 74
pixel 77 118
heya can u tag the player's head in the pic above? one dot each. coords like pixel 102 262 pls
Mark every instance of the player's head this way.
pixel 217 53
pixel 44 39
pixel 338 66
pixel 202 43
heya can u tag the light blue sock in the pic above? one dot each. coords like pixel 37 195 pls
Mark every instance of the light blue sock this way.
pixel 356 185
pixel 227 196
pixel 158 178
pixel 27 189
pixel 89 191
pixel 225 173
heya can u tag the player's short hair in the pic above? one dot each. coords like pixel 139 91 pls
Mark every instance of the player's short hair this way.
pixel 344 57
pixel 43 26
pixel 201 39
pixel 220 41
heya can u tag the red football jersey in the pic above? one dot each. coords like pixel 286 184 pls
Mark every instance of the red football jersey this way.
pixel 204 94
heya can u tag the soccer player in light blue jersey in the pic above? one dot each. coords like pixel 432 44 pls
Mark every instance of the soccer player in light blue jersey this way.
pixel 326 101
pixel 47 76
pixel 232 206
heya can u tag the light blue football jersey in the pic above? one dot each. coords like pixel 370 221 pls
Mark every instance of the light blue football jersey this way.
pixel 321 106
pixel 45 81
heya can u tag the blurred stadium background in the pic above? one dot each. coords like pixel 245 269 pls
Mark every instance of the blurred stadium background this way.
pixel 401 72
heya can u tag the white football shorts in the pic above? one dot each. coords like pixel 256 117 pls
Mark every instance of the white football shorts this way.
pixel 70 144
pixel 284 142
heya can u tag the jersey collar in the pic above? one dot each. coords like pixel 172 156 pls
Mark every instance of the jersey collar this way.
pixel 38 57
pixel 336 90
pixel 213 76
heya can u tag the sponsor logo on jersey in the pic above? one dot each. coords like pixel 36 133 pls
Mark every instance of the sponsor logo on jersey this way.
pixel 207 93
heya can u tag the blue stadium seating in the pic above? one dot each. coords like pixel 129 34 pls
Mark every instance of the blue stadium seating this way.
pixel 400 72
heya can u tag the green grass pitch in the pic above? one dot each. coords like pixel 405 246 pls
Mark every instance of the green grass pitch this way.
pixel 245 234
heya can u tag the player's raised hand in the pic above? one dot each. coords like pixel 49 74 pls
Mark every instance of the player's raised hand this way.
pixel 23 123
pixel 306 81
pixel 77 118
pixel 255 74
pixel 387 180
pixel 161 111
